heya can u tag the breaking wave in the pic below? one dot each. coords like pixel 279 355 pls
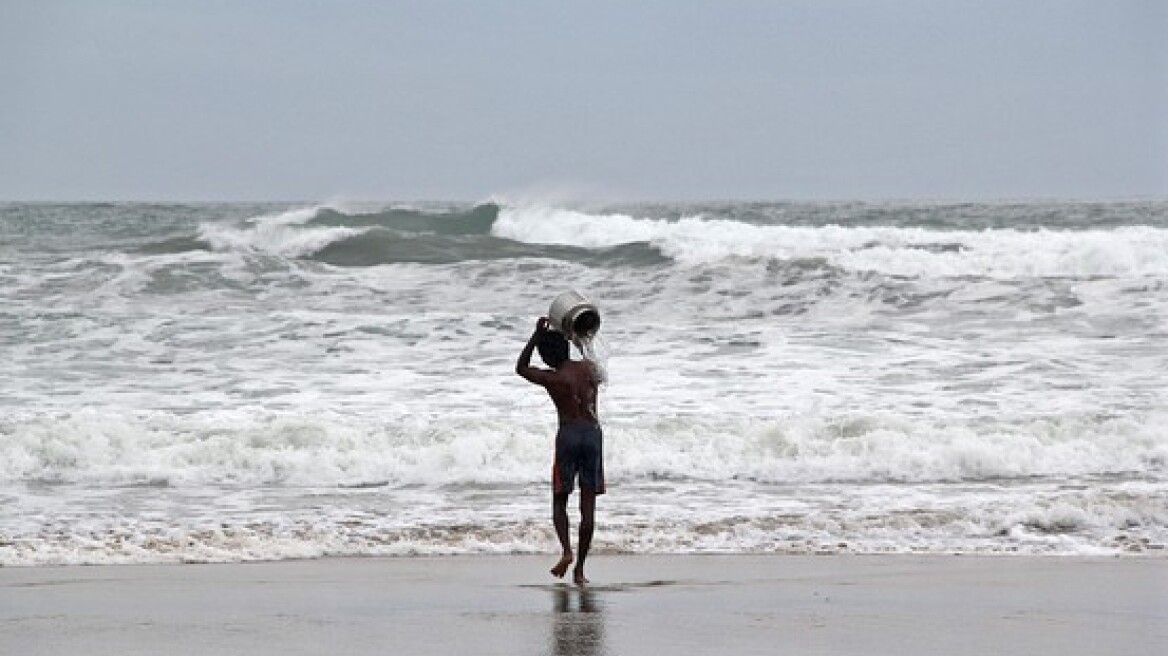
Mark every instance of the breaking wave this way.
pixel 495 232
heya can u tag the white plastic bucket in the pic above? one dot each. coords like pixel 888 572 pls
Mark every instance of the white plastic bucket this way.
pixel 574 315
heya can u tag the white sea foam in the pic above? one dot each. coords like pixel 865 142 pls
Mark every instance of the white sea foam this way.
pixel 1003 253
pixel 278 234
pixel 158 524
pixel 323 448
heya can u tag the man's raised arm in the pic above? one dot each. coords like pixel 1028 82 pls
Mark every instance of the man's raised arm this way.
pixel 523 364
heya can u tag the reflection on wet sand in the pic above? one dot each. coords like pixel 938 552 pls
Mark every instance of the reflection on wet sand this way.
pixel 577 623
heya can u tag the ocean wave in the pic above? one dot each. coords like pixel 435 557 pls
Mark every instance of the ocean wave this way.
pixel 286 234
pixel 1130 251
pixel 355 237
pixel 476 220
pixel 110 448
pixel 303 232
pixel 232 524
pixel 379 246
pixel 449 234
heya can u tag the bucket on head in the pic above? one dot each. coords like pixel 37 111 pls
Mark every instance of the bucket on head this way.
pixel 574 315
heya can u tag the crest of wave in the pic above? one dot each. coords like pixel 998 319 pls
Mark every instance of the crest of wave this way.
pixel 1131 251
pixel 285 234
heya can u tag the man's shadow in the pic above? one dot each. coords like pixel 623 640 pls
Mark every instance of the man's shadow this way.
pixel 577 623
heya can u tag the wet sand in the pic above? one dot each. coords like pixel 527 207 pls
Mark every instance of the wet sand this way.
pixel 637 605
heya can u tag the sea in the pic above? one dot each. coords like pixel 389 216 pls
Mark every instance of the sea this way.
pixel 253 382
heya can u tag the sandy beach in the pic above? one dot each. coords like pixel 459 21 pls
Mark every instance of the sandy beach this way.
pixel 636 605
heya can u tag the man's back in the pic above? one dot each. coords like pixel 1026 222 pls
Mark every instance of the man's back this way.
pixel 571 384
pixel 573 390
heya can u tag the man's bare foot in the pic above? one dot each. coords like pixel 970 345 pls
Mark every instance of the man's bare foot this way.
pixel 561 567
pixel 578 577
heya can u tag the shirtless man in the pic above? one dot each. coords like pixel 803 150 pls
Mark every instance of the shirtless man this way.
pixel 579 442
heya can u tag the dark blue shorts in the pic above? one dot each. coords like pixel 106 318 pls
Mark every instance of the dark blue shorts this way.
pixel 579 452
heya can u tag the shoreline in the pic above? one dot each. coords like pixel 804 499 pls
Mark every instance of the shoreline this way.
pixel 601 554
pixel 704 604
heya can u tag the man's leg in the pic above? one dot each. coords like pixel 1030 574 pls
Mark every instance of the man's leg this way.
pixel 587 518
pixel 560 521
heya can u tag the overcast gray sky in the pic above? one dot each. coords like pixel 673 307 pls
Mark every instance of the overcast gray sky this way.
pixel 623 100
